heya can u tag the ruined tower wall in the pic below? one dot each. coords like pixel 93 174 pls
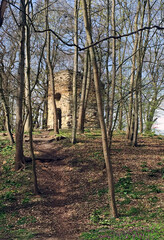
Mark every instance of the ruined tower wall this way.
pixel 63 92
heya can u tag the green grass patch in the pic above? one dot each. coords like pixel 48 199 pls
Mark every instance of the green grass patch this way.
pixel 124 186
pixel 95 133
pixel 154 189
pixel 15 191
pixel 102 192
pixel 133 233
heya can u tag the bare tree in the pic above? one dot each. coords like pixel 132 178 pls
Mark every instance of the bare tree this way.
pixel 100 112
pixel 19 157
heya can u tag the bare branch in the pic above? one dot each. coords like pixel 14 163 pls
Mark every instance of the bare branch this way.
pixel 102 40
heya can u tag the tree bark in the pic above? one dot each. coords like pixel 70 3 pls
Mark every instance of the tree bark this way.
pixel 142 54
pixel 51 75
pixel 83 94
pixel 120 124
pixel 113 75
pixel 100 113
pixel 137 82
pixel 7 113
pixel 28 96
pixel 19 157
pixel 2 10
pixel 106 64
pixel 130 113
pixel 75 74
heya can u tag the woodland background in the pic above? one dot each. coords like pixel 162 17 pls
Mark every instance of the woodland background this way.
pixel 117 42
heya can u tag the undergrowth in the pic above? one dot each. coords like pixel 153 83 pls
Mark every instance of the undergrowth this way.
pixel 136 221
pixel 140 212
pixel 15 193
pixel 139 204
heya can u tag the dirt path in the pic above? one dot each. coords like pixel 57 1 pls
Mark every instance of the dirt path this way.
pixel 65 207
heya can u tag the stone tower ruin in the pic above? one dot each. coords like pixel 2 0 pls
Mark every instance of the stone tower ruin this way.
pixel 63 96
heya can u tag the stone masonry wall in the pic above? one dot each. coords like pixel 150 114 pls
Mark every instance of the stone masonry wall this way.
pixel 63 93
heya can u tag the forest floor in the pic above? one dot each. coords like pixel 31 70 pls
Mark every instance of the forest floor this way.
pixel 73 201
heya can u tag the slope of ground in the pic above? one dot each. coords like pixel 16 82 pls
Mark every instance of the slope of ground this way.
pixel 73 189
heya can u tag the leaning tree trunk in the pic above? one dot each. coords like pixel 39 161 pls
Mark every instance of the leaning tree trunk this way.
pixel 100 112
pixel 19 157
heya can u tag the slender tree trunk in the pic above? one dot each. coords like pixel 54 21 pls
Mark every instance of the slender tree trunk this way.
pixel 27 68
pixel 120 113
pixel 120 86
pixel 28 95
pixel 83 93
pixel 120 125
pixel 75 74
pixel 142 53
pixel 87 86
pixel 19 157
pixel 106 64
pixel 88 83
pixel 51 75
pixel 135 133
pixel 7 113
pixel 130 114
pixel 2 10
pixel 45 112
pixel 120 83
pixel 113 75
pixel 137 83
pixel 100 113
pixel 36 116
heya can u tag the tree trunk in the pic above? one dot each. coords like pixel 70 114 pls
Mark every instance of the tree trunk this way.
pixel 27 69
pixel 28 95
pixel 51 75
pixel 7 113
pixel 120 113
pixel 83 94
pixel 2 10
pixel 130 114
pixel 113 75
pixel 100 113
pixel 142 54
pixel 19 157
pixel 137 83
pixel 106 64
pixel 45 112
pixel 75 74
